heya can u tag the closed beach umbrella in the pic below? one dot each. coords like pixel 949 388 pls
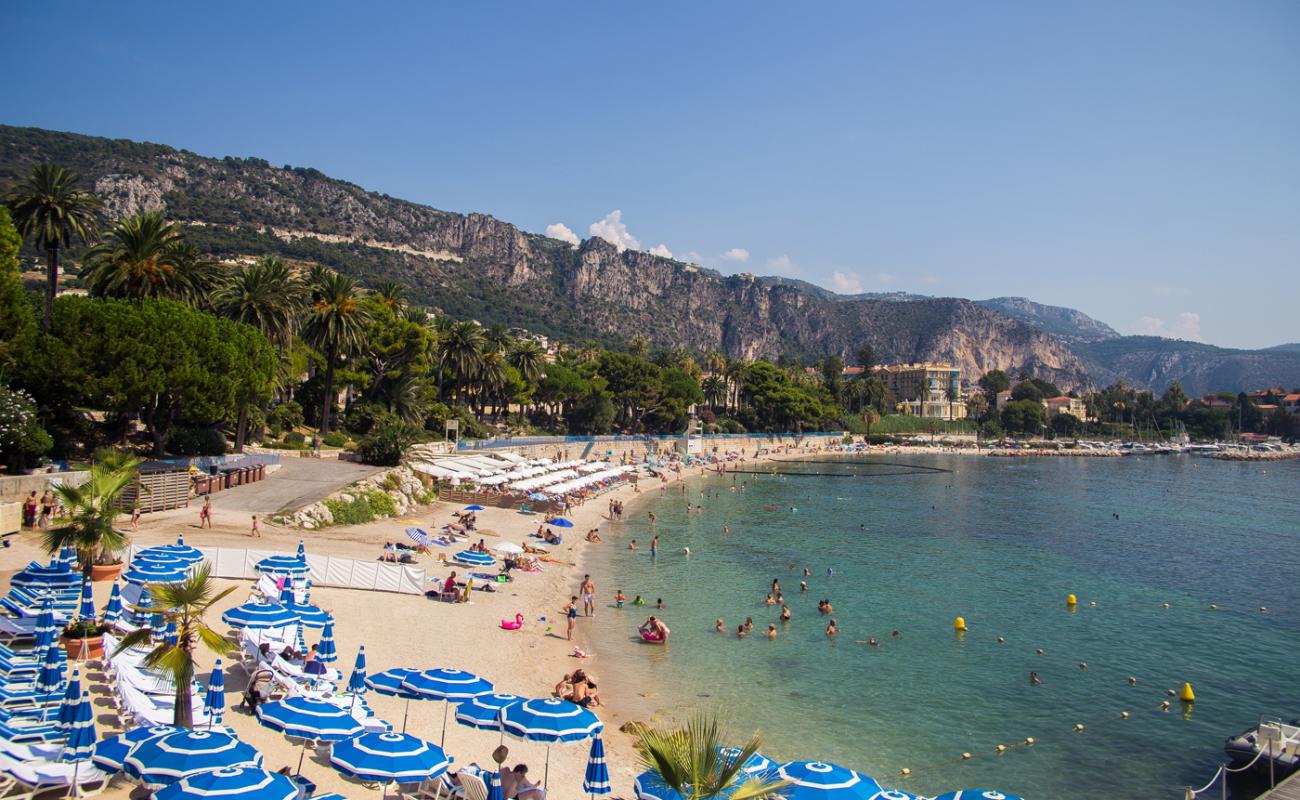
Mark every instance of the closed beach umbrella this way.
pixel 753 765
pixel 245 783
pixel 158 623
pixel 357 681
pixel 142 606
pixel 169 633
pixel 449 685
pixel 283 565
pixel 110 754
pixel 143 572
pixel 77 722
pixel 165 759
pixel 45 631
pixel 392 682
pixel 113 611
pixel 977 794
pixel 216 698
pixel 259 616
pixel 385 757
pixel 474 558
pixel 87 607
pixel 302 551
pixel 560 522
pixel 550 721
pixel 326 652
pixel 50 680
pixel 817 780
pixel 596 778
pixel 68 555
pixel 309 719
pixel 494 786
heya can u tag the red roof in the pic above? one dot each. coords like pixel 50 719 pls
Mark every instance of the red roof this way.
pixel 1292 398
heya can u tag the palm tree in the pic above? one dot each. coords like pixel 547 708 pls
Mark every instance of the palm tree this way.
pixel 497 339
pixel 264 295
pixel 142 257
pixel 49 209
pixel 334 326
pixel 870 417
pixel 528 357
pixel 183 604
pixel 715 389
pixel 460 350
pixel 689 760
pixel 393 295
pixel 491 379
pixel 93 506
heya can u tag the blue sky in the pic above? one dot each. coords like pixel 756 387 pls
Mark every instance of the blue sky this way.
pixel 1138 161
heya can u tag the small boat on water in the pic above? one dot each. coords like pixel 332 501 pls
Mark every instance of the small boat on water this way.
pixel 1270 739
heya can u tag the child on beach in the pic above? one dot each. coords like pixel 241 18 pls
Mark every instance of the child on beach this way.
pixel 205 513
pixel 571 613
pixel 257 528
pixel 619 599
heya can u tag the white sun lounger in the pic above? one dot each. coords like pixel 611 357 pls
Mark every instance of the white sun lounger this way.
pixel 34 777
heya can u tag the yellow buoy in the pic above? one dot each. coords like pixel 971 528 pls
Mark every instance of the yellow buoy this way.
pixel 1187 695
pixel 1078 728
pixel 966 756
pixel 1002 748
pixel 1166 605
pixel 1123 715
pixel 1071 600
pixel 1132 681
pixel 1029 741
pixel 1214 605
pixel 906 772
pixel 959 624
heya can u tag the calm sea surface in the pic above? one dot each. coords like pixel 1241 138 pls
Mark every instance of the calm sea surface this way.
pixel 1000 542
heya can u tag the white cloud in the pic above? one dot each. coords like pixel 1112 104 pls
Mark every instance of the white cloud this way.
pixel 782 265
pixel 1187 326
pixel 694 257
pixel 736 254
pixel 612 230
pixel 884 278
pixel 561 231
pixel 846 282
pixel 661 250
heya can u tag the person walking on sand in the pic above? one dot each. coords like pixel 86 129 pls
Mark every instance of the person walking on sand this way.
pixel 588 592
pixel 135 516
pixel 205 513
pixel 571 612
pixel 256 532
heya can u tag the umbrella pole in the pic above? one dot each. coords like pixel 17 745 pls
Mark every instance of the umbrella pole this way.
pixel 405 712
pixel 301 755
pixel 546 776
pixel 445 705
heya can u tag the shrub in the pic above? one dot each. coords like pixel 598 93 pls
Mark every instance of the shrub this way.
pixel 384 445
pixel 196 442
pixel 295 439
pixel 285 416
pixel 362 418
pixel 362 508
pixel 381 503
pixel 335 439
pixel 22 439
pixel 392 482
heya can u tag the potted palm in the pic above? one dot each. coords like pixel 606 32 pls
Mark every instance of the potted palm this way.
pixel 183 605
pixel 93 507
pixel 84 639
pixel 689 759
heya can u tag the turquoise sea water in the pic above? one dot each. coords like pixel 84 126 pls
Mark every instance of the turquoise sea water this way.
pixel 1000 542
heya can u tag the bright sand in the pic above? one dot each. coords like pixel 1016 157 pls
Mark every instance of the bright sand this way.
pixel 400 630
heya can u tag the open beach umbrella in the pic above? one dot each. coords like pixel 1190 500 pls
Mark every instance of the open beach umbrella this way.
pixel 448 685
pixel 143 572
pixel 113 611
pixel 391 682
pixel 283 565
pixel 596 779
pixel 894 794
pixel 326 652
pixel 216 697
pixel 753 765
pixel 506 548
pixel 157 555
pixel 77 722
pixel 87 607
pixel 259 616
pixel 484 712
pixel 475 507
pixel 419 536
pixel 385 757
pixel 245 783
pixel 560 522
pixel 310 720
pixel 181 550
pixel 977 794
pixel 110 754
pixel 474 558
pixel 550 721
pixel 165 759
pixel 40 576
pixel 310 615
pixel 817 780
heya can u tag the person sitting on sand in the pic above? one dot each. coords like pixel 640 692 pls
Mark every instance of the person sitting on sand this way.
pixel 550 538
pixel 593 536
pixel 565 686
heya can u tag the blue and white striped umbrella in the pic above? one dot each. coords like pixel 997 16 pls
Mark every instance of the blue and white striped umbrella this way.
pixel 977 794
pixel 357 683
pixel 495 791
pixel 157 555
pixel 596 778
pixel 110 754
pixel 166 759
pixel 45 630
pixel 87 608
pixel 216 697
pixel 447 684
pixel 326 652
pixel 484 712
pixel 650 785
pixel 388 757
pixel 301 644
pixel 753 765
pixel 39 576
pixel 170 634
pixel 180 550
pixel 328 796
pixel 259 616
pixel 155 572
pixel 308 718
pixel 475 559
pixel 51 679
pixel 419 536
pixel 68 555
pixel 77 722
pixel 550 721
pixel 817 780
pixel 113 611
pixel 245 783
pixel 894 794
pixel 142 606
pixel 310 615
pixel 283 565
pixel 302 551
pixel 158 624
pixel 391 682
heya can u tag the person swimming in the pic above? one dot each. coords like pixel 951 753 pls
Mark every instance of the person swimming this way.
pixel 660 604
pixel 749 624
pixel 619 599
pixel 831 630
pixel 769 601
pixel 785 613
pixel 871 640
pixel 718 627
pixel 771 631
pixel 1034 680
pixel 638 601
pixel 803 586
pixel 740 631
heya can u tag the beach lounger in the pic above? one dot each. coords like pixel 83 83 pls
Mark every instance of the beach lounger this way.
pixel 438 788
pixel 12 630
pixel 34 733
pixel 35 777
pixel 472 786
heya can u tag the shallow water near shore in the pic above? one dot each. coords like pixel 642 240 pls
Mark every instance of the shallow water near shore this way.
pixel 1000 542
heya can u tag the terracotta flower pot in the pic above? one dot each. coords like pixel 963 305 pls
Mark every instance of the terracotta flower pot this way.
pixel 107 572
pixel 89 648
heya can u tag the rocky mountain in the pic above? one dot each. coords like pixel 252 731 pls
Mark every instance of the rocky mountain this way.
pixel 1152 362
pixel 473 265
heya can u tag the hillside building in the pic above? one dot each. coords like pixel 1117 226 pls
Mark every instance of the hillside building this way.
pixel 924 390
